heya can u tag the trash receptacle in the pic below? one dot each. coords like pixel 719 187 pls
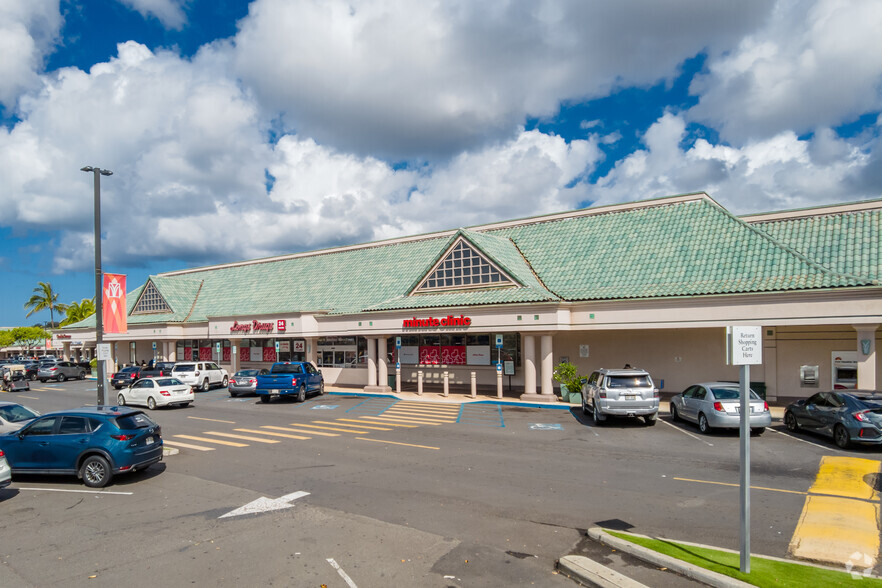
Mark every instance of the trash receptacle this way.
pixel 390 378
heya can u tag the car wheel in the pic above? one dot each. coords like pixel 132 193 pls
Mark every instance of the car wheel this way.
pixel 60 377
pixel 151 403
pixel 840 436
pixel 321 388
pixel 790 421
pixel 599 417
pixel 265 398
pixel 233 394
pixel 675 416
pixel 33 377
pixel 95 472
pixel 301 395
pixel 82 375
pixel 226 382
pixel 42 381
pixel 758 431
pixel 205 385
pixel 584 406
pixel 650 419
pixel 703 425
pixel 121 400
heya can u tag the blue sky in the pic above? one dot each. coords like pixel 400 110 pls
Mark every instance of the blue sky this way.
pixel 238 130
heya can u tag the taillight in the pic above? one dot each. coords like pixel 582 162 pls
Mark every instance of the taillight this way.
pixel 132 376
pixel 164 393
pixel 53 369
pixel 765 407
pixel 122 437
pixel 603 394
pixel 655 393
pixel 197 373
pixel 1 453
pixel 252 381
pixel 293 381
pixel 861 417
pixel 718 406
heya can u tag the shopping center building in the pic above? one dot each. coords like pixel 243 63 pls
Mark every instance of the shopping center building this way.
pixel 653 284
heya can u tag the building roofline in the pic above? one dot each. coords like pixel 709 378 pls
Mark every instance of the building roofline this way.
pixel 845 207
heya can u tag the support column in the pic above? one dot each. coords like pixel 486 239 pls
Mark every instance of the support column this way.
pixel 65 350
pixel 382 366
pixel 866 356
pixel 530 391
pixel 373 384
pixel 312 350
pixel 372 361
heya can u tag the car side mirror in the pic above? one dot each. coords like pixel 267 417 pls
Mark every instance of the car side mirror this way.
pixel 583 381
pixel 801 402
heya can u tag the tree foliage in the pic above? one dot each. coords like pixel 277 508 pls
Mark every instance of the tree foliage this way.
pixel 29 337
pixel 44 298
pixel 77 311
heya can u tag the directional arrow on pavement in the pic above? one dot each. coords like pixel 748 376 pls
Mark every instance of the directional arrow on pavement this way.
pixel 264 504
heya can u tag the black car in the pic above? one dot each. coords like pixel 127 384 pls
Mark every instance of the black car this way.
pixel 125 377
pixel 848 417
pixel 94 443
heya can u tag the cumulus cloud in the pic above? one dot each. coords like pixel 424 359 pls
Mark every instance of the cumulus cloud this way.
pixel 28 33
pixel 169 12
pixel 395 78
pixel 780 172
pixel 811 65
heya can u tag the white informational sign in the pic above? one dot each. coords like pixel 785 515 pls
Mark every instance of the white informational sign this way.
pixel 299 346
pixel 508 367
pixel 398 342
pixel 154 346
pixel 747 345
pixel 478 354
pixel 285 346
pixel 583 351
pixel 104 352
pixel 409 354
pixel 499 341
pixel 256 353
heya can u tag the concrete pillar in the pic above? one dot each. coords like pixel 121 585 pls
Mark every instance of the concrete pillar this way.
pixel 312 350
pixel 474 383
pixel 529 364
pixel 382 366
pixel 866 356
pixel 372 361
pixel 65 350
pixel 547 365
pixel 446 384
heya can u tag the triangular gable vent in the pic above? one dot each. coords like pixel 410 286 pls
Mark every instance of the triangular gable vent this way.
pixel 463 267
pixel 151 301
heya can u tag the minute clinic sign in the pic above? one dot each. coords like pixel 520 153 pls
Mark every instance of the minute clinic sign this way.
pixel 430 322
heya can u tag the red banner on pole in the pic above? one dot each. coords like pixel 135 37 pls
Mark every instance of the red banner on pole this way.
pixel 114 303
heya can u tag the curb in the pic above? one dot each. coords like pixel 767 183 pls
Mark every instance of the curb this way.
pixel 167 451
pixel 655 558
pixel 589 572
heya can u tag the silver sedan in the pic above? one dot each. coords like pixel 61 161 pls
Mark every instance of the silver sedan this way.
pixel 14 416
pixel 718 405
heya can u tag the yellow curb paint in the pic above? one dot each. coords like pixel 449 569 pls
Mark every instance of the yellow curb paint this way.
pixel 844 476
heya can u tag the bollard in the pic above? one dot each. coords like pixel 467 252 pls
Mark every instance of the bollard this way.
pixel 419 383
pixel 446 385
pixel 498 384
pixel 398 380
pixel 474 386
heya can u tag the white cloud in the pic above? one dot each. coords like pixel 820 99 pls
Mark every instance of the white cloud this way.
pixel 28 33
pixel 777 173
pixel 169 12
pixel 813 64
pixel 395 78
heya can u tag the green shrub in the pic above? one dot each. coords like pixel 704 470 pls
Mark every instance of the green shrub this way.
pixel 568 375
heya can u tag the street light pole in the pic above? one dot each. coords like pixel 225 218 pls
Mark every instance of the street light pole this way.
pixel 99 316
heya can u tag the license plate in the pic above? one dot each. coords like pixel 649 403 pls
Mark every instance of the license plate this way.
pixel 149 441
pixel 630 397
pixel 274 391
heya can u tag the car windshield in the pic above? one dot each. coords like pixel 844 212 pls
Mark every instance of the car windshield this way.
pixel 137 420
pixel 287 368
pixel 246 373
pixel 732 394
pixel 628 381
pixel 184 367
pixel 16 413
pixel 128 370
pixel 169 382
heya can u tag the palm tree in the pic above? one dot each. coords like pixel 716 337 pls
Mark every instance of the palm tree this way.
pixel 44 298
pixel 77 311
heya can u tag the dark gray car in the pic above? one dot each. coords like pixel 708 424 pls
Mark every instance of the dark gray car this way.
pixel 245 382
pixel 61 371
pixel 849 417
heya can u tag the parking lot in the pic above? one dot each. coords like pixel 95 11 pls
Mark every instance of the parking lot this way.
pixel 475 482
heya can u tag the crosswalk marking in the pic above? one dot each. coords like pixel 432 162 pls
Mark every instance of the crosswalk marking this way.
pixel 218 441
pixel 351 426
pixel 424 408
pixel 300 431
pixel 387 424
pixel 272 433
pixel 421 414
pixel 186 445
pixel 243 437
pixel 403 420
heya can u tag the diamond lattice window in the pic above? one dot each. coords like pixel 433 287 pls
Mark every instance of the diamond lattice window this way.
pixel 463 267
pixel 151 301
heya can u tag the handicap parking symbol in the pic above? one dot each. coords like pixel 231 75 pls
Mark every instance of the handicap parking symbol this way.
pixel 325 406
pixel 546 426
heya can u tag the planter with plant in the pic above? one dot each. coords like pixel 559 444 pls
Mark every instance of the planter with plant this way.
pixel 570 382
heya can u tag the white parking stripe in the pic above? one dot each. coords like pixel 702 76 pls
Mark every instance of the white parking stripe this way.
pixel 186 445
pixel 824 447
pixel 77 491
pixel 696 437
pixel 343 574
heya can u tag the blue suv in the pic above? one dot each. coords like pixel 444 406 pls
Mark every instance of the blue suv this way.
pixel 94 443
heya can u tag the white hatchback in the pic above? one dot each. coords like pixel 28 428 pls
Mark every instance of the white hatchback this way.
pixel 202 375
pixel 154 392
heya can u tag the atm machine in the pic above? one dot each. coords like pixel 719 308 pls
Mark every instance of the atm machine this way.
pixel 844 370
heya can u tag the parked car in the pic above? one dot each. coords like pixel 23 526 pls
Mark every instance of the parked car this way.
pixel 290 378
pixel 61 371
pixel 14 416
pixel 245 382
pixel 153 392
pixel 713 405
pixel 31 367
pixel 158 368
pixel 5 471
pixel 94 443
pixel 848 417
pixel 125 377
pixel 201 374
pixel 624 392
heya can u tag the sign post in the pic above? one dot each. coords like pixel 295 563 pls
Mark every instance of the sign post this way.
pixel 498 337
pixel 398 365
pixel 744 347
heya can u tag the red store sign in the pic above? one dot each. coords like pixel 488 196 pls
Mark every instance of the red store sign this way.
pixel 256 326
pixel 448 321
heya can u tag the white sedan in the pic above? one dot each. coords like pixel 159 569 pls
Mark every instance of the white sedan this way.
pixel 153 392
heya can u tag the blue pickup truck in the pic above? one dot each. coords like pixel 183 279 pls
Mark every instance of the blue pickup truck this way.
pixel 290 378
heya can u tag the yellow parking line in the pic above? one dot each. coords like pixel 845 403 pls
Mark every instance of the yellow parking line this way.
pixel 427 409
pixel 212 420
pixel 243 437
pixel 357 426
pixel 404 420
pixel 397 443
pixel 300 431
pixel 738 486
pixel 844 476
pixel 218 441
pixel 420 415
pixel 387 424
pixel 187 445
pixel 337 428
pixel 271 433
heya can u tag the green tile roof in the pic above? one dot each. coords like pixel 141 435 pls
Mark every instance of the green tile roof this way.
pixel 684 246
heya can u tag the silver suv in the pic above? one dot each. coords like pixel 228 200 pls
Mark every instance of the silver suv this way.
pixel 201 375
pixel 625 392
